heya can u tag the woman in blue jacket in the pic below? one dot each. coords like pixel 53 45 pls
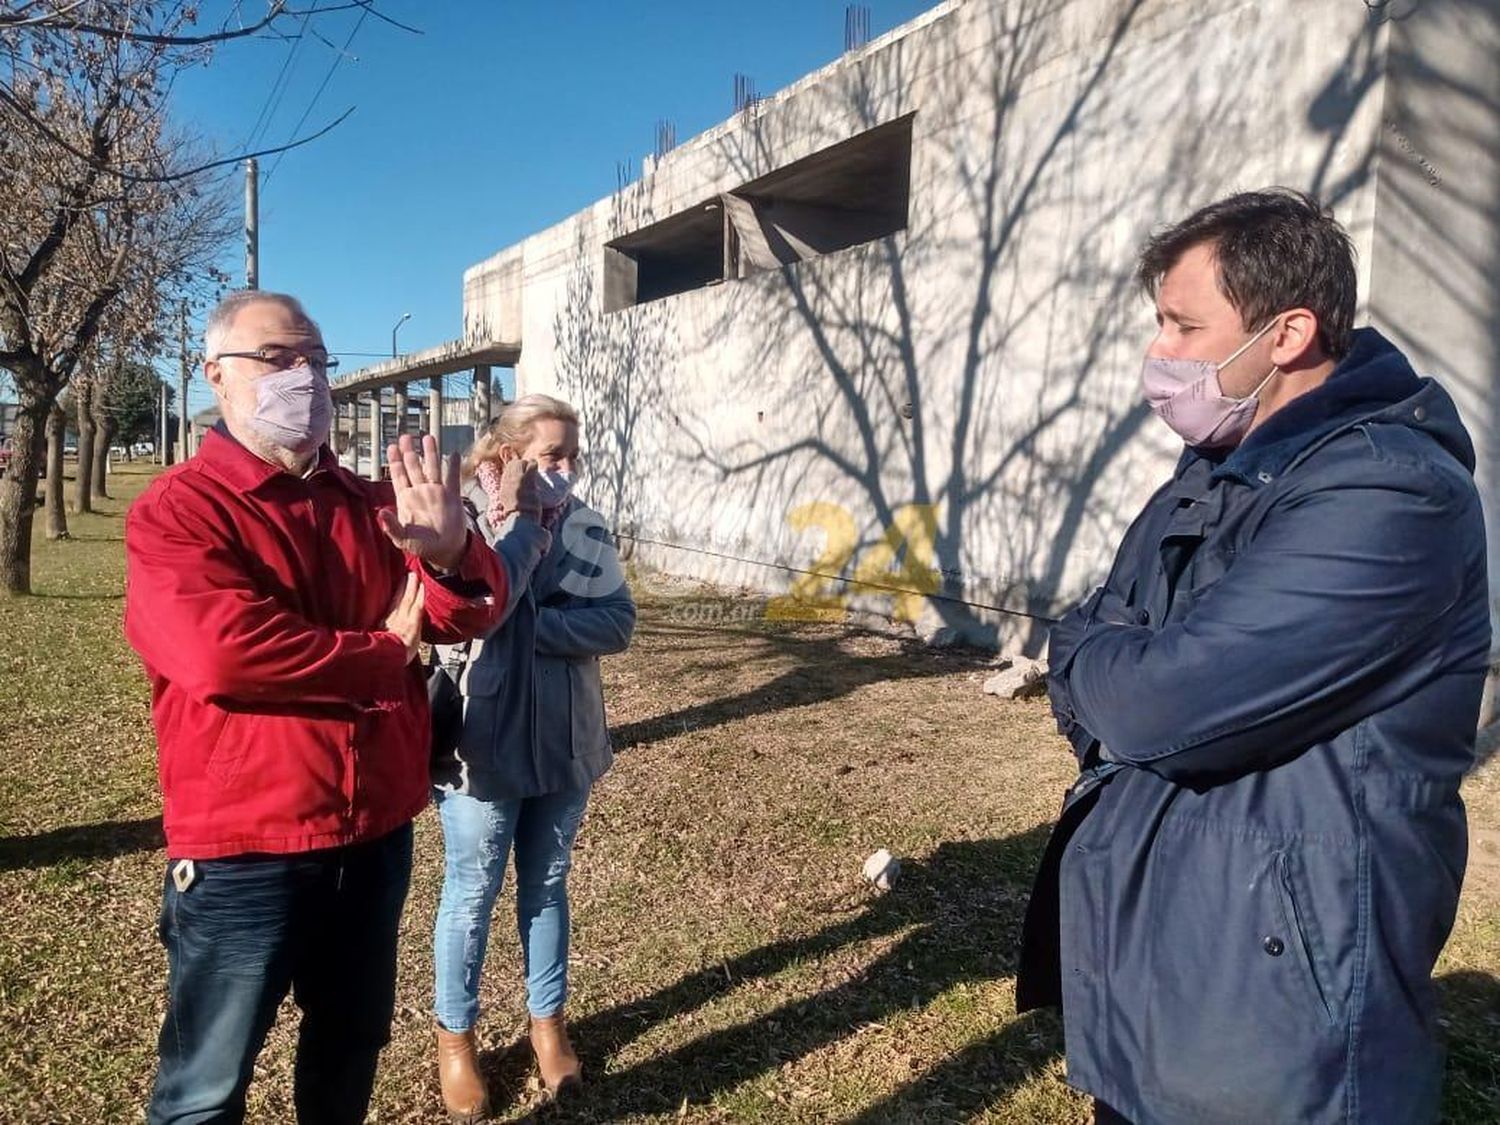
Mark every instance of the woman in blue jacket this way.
pixel 534 736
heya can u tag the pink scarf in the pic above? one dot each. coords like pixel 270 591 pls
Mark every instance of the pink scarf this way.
pixel 488 473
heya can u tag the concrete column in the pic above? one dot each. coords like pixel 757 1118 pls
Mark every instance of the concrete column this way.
pixel 401 408
pixel 354 434
pixel 435 411
pixel 481 398
pixel 164 438
pixel 377 435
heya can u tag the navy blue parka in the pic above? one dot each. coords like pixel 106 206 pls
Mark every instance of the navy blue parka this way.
pixel 1273 699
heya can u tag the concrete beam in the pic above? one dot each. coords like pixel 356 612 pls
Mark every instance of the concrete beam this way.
pixel 431 363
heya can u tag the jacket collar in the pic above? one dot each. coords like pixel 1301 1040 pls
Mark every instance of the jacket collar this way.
pixel 226 457
pixel 1371 379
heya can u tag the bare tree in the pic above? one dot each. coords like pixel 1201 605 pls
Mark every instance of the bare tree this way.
pixel 105 211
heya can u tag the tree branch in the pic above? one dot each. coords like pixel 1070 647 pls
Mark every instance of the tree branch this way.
pixel 277 10
pixel 138 178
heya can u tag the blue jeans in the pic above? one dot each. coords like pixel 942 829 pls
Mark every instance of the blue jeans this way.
pixel 477 839
pixel 249 929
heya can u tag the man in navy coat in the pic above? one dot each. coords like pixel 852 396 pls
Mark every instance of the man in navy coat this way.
pixel 1273 701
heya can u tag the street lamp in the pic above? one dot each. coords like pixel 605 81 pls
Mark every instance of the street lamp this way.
pixel 404 318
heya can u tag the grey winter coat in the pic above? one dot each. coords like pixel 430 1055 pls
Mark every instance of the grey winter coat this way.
pixel 533 704
pixel 1273 699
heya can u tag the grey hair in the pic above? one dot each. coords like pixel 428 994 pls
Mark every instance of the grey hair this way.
pixel 222 317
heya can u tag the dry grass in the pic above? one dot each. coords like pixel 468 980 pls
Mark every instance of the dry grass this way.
pixel 729 964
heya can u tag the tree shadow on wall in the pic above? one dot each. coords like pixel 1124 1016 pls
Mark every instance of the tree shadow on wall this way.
pixel 981 364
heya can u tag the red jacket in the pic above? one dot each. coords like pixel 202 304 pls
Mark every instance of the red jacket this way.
pixel 286 718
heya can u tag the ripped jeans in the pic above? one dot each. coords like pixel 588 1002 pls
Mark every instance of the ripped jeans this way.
pixel 478 837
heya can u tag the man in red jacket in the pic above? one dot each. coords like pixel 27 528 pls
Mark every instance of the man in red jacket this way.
pixel 277 601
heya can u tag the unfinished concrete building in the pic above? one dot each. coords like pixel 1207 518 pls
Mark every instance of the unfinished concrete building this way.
pixel 873 342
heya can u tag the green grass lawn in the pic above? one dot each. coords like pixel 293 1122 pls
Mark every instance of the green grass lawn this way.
pixel 729 964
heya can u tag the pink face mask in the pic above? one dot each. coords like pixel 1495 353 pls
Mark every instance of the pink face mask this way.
pixel 293 409
pixel 1187 396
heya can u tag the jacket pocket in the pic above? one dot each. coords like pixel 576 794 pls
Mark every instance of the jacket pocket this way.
pixel 484 678
pixel 1300 928
pixel 1234 1027
pixel 236 737
pixel 554 707
pixel 590 729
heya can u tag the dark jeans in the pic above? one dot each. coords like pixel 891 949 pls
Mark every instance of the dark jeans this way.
pixel 248 929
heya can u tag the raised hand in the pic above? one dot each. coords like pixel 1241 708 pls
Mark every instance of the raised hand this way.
pixel 519 488
pixel 429 518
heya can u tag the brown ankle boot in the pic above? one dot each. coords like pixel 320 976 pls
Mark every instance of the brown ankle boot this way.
pixel 561 1071
pixel 458 1074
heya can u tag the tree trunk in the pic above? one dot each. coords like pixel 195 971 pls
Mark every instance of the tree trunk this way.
pixel 83 483
pixel 18 495
pixel 105 424
pixel 57 516
pixel 104 437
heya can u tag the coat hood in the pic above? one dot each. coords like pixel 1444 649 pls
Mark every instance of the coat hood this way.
pixel 1373 383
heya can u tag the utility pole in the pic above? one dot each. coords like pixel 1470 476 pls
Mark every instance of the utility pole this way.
pixel 182 389
pixel 163 444
pixel 252 224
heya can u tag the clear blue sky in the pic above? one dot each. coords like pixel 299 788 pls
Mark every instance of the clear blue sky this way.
pixel 501 119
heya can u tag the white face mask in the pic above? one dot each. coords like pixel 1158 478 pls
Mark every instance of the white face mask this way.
pixel 554 486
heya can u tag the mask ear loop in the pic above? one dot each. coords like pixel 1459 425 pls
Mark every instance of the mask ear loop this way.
pixel 1239 351
pixel 1275 368
pixel 1262 385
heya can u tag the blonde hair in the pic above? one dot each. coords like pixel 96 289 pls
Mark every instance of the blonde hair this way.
pixel 513 426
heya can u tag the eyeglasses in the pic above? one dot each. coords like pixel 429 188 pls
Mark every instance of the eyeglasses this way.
pixel 283 359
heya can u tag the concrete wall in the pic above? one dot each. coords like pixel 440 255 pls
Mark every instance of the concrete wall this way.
pixel 1435 287
pixel 765 419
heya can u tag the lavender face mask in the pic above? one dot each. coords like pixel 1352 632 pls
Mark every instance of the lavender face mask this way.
pixel 1186 394
pixel 293 409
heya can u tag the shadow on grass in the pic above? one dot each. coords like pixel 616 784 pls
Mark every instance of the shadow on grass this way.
pixel 961 913
pixel 81 842
pixel 117 596
pixel 1471 1009
pixel 824 671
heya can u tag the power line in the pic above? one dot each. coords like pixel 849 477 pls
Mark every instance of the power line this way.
pixel 278 88
pixel 861 582
pixel 338 58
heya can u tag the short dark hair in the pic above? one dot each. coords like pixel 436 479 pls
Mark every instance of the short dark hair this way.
pixel 1276 249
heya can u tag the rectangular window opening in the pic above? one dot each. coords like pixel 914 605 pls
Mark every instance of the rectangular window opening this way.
pixel 850 193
